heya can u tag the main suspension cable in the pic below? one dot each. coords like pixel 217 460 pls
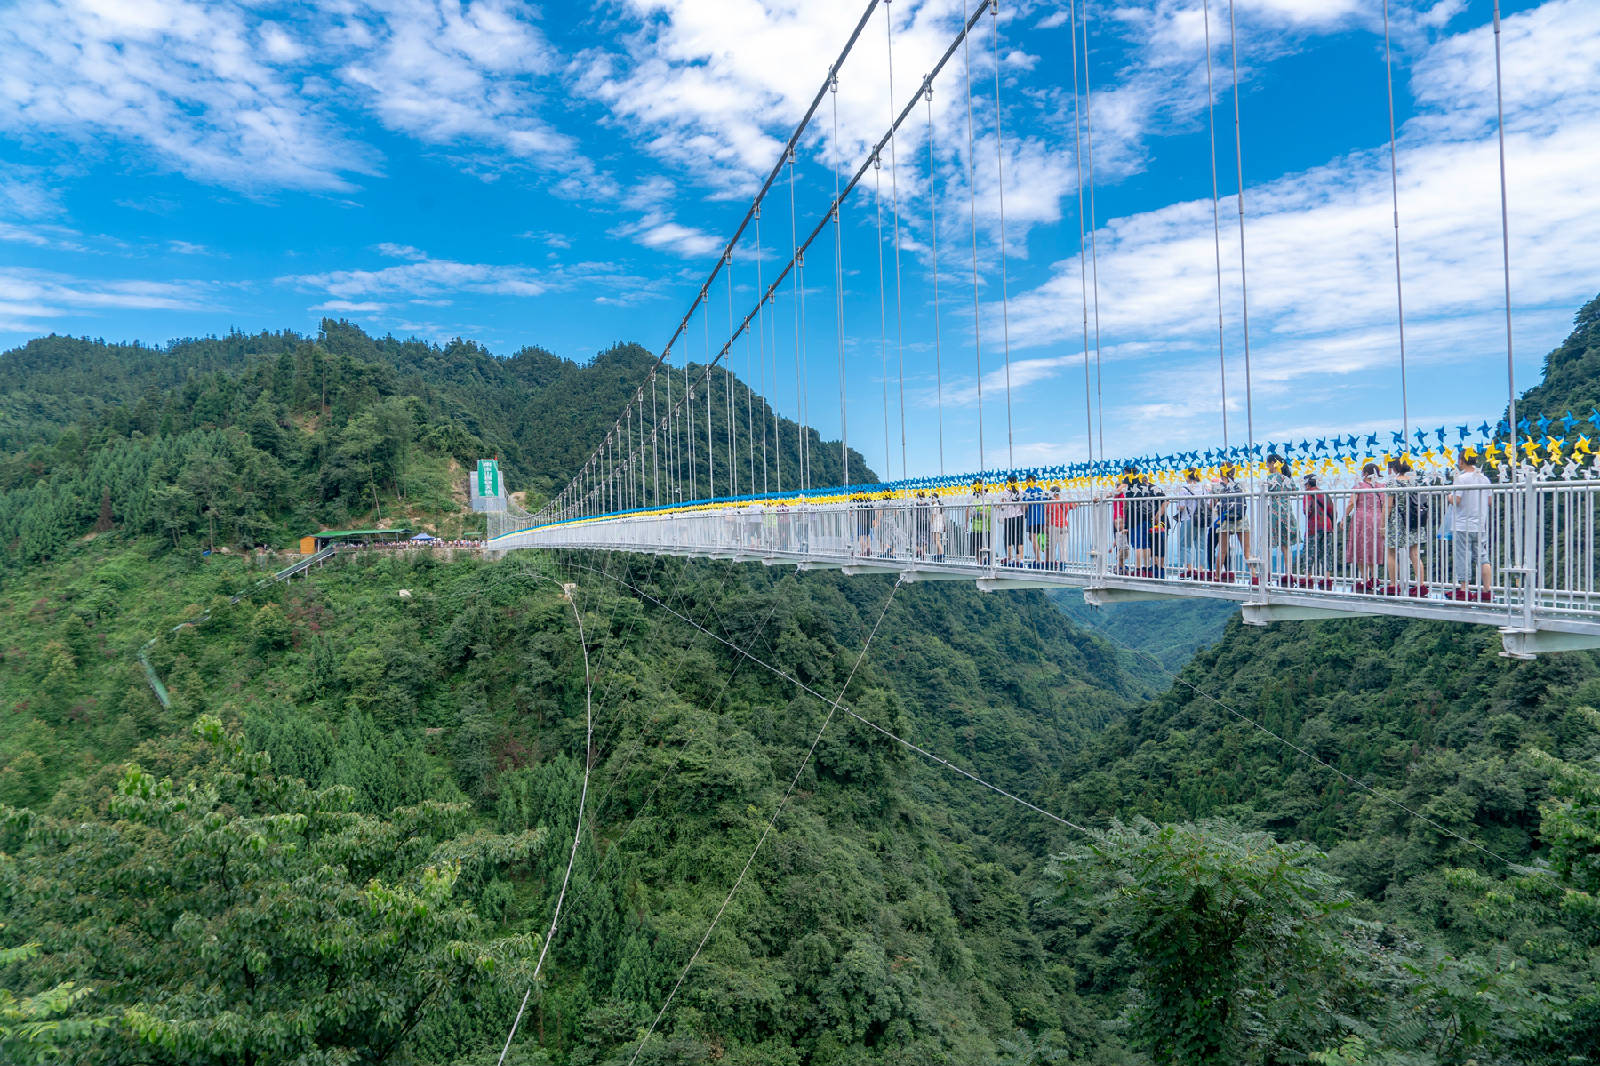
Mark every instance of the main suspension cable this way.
pixel 772 176
pixel 831 215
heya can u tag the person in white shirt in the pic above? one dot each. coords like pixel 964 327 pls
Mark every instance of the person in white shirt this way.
pixel 1184 509
pixel 1469 539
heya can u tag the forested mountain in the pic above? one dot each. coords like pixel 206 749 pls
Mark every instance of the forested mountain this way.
pixel 345 839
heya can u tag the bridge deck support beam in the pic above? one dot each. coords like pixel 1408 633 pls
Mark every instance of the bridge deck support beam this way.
pixel 1530 643
pixel 1104 596
pixel 934 575
pixel 1261 614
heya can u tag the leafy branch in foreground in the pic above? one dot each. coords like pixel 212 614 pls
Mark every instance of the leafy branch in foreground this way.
pixel 238 917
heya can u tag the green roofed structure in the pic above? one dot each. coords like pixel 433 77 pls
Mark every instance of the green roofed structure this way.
pixel 315 542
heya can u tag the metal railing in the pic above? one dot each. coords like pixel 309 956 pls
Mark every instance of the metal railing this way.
pixel 1520 555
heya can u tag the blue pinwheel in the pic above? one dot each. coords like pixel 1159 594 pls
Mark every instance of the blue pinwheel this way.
pixel 1372 440
pixel 1567 422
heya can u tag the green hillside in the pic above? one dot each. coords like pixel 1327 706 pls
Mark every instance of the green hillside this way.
pixel 344 841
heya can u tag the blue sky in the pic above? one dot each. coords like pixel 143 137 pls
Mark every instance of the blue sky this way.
pixel 518 174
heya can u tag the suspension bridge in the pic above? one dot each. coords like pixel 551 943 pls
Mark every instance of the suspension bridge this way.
pixel 1498 527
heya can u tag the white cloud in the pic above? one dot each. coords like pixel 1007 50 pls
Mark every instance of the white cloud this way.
pixel 657 231
pixel 1320 242
pixel 349 307
pixel 31 299
pixel 424 277
pixel 231 92
pixel 450 73
pixel 186 80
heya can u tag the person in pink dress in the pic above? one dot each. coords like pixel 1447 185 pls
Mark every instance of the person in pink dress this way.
pixel 1363 524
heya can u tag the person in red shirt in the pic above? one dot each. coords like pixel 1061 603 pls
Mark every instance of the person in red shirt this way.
pixel 1319 529
pixel 1055 513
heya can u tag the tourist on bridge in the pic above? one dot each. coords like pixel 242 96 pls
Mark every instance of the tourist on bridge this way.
pixel 1184 514
pixel 1469 540
pixel 1405 526
pixel 1318 558
pixel 1119 519
pixel 1232 518
pixel 1363 527
pixel 1057 512
pixel 1142 507
pixel 890 532
pixel 1283 524
pixel 978 517
pixel 1012 512
pixel 1038 527
pixel 863 511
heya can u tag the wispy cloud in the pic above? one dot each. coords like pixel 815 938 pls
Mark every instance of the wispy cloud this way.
pixel 230 93
pixel 424 279
pixel 32 299
pixel 455 74
pixel 1320 242
pixel 188 81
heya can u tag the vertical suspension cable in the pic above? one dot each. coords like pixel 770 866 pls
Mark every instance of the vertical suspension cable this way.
pixel 1244 288
pixel 1394 195
pixel 894 191
pixel 711 447
pixel 883 315
pixel 1505 247
pixel 1216 221
pixel 688 426
pixel 672 440
pixel 749 399
pixel 1094 252
pixel 655 446
pixel 802 437
pixel 1083 263
pixel 972 215
pixel 727 383
pixel 933 230
pixel 1000 182
pixel 838 286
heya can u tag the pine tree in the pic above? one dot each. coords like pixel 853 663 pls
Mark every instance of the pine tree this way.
pixel 103 523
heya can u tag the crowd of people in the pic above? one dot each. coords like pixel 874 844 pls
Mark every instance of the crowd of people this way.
pixel 405 545
pixel 1391 532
